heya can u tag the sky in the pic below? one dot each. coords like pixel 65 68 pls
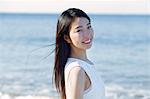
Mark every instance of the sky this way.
pixel 89 6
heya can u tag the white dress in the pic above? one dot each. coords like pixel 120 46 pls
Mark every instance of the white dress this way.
pixel 96 90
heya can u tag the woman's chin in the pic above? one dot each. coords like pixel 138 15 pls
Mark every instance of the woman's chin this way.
pixel 87 46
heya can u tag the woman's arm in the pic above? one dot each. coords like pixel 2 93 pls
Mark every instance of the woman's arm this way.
pixel 77 82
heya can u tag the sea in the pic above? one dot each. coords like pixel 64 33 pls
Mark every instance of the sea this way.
pixel 120 52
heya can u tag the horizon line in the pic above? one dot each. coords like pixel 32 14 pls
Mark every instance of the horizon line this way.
pixel 43 13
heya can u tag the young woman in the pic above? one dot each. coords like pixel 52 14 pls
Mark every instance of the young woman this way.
pixel 74 74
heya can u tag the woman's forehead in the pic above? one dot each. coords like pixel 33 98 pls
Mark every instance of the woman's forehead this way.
pixel 80 21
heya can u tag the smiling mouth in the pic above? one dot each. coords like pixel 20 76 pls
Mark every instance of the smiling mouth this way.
pixel 87 41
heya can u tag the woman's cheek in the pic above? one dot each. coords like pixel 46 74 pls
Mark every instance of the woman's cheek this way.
pixel 78 39
pixel 74 38
pixel 92 33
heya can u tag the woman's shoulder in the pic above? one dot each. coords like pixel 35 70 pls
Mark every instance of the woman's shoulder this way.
pixel 74 68
pixel 72 63
pixel 74 79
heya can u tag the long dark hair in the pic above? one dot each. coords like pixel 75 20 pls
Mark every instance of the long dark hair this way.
pixel 63 50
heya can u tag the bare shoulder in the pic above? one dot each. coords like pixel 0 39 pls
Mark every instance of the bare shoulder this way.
pixel 77 81
pixel 77 70
pixel 77 73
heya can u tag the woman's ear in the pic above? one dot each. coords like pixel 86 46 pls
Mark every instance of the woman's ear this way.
pixel 66 38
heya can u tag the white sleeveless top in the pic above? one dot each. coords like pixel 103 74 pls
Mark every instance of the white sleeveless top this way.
pixel 96 89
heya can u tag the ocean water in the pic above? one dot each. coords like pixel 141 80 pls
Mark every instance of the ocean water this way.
pixel 120 51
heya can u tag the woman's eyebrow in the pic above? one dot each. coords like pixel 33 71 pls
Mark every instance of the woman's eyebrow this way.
pixel 78 27
pixel 82 26
pixel 88 23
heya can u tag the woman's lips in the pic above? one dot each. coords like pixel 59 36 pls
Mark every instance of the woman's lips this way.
pixel 87 41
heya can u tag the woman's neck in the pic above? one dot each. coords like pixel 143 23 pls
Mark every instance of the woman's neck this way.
pixel 80 54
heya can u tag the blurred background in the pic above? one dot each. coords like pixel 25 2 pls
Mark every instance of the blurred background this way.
pixel 121 43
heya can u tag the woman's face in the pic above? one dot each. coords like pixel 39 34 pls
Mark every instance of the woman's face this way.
pixel 81 33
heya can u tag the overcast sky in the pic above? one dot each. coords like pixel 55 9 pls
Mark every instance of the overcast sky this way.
pixel 90 6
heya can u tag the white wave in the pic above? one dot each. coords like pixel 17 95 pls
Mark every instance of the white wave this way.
pixel 112 92
pixel 7 96
pixel 119 92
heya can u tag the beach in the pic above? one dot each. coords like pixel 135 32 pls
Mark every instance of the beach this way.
pixel 121 43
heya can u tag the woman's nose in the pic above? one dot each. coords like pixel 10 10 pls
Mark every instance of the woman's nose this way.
pixel 87 34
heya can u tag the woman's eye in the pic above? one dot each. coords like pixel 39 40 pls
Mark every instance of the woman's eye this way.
pixel 78 30
pixel 89 27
